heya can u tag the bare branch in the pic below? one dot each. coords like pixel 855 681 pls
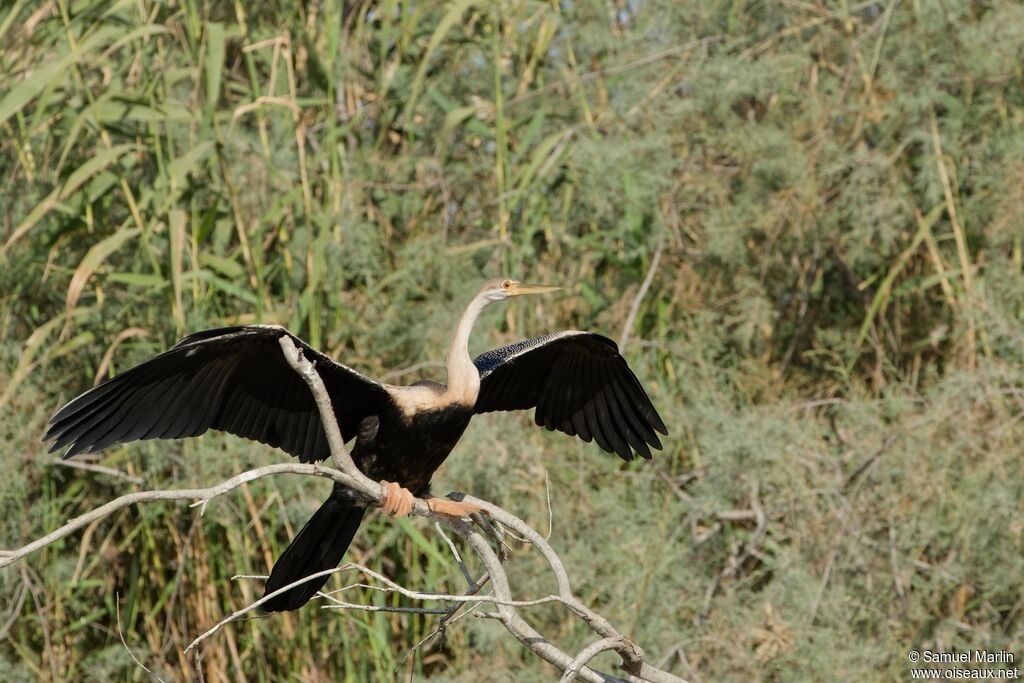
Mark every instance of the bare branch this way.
pixel 203 496
pixel 491 527
pixel 589 653
pixel 339 454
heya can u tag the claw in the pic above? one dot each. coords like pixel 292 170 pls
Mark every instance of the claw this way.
pixel 455 508
pixel 398 501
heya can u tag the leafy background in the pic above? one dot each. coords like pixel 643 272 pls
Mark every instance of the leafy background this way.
pixel 826 197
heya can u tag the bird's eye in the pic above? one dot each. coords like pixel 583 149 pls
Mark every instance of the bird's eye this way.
pixel 506 284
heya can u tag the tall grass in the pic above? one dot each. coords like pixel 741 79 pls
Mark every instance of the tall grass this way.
pixel 833 331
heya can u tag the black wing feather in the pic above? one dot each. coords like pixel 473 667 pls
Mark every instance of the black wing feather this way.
pixel 196 425
pixel 615 431
pixel 636 418
pixel 542 396
pixel 586 388
pixel 621 419
pixel 233 379
pixel 97 428
pixel 583 389
pixel 603 416
pixel 73 424
pixel 562 398
pixel 579 384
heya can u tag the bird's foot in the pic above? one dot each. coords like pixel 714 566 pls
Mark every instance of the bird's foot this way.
pixel 455 508
pixel 398 500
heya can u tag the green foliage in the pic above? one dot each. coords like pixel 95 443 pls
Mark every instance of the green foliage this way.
pixel 834 333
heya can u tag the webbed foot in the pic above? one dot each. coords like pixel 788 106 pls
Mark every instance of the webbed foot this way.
pixel 455 508
pixel 398 500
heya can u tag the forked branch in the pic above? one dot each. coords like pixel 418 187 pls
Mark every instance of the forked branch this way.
pixel 635 668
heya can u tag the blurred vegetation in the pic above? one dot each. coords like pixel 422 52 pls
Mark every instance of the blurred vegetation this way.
pixel 834 329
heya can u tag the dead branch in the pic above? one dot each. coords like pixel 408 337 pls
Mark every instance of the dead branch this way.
pixel 200 496
pixel 479 538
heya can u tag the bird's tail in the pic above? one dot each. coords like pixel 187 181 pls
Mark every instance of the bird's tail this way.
pixel 318 546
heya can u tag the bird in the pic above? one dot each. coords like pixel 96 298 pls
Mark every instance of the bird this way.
pixel 237 380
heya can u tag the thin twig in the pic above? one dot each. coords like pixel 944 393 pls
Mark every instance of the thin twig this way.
pixel 471 584
pixel 634 309
pixel 547 497
pixel 339 604
pixel 120 634
pixel 872 459
pixel 238 614
pixel 398 372
pixel 453 615
pixel 98 469
pixel 15 610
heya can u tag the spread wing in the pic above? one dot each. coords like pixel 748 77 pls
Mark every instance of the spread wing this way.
pixel 234 379
pixel 579 384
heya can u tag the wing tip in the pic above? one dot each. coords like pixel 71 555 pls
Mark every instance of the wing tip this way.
pixel 71 451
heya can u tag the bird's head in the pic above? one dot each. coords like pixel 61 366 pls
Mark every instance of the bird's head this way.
pixel 499 290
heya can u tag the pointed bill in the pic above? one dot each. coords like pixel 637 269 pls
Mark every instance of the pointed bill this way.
pixel 521 289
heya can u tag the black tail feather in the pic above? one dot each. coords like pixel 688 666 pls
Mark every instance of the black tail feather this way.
pixel 318 546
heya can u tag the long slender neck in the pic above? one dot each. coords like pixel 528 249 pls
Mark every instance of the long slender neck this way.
pixel 463 377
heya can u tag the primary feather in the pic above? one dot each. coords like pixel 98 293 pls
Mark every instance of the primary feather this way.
pixel 234 379
pixel 579 384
